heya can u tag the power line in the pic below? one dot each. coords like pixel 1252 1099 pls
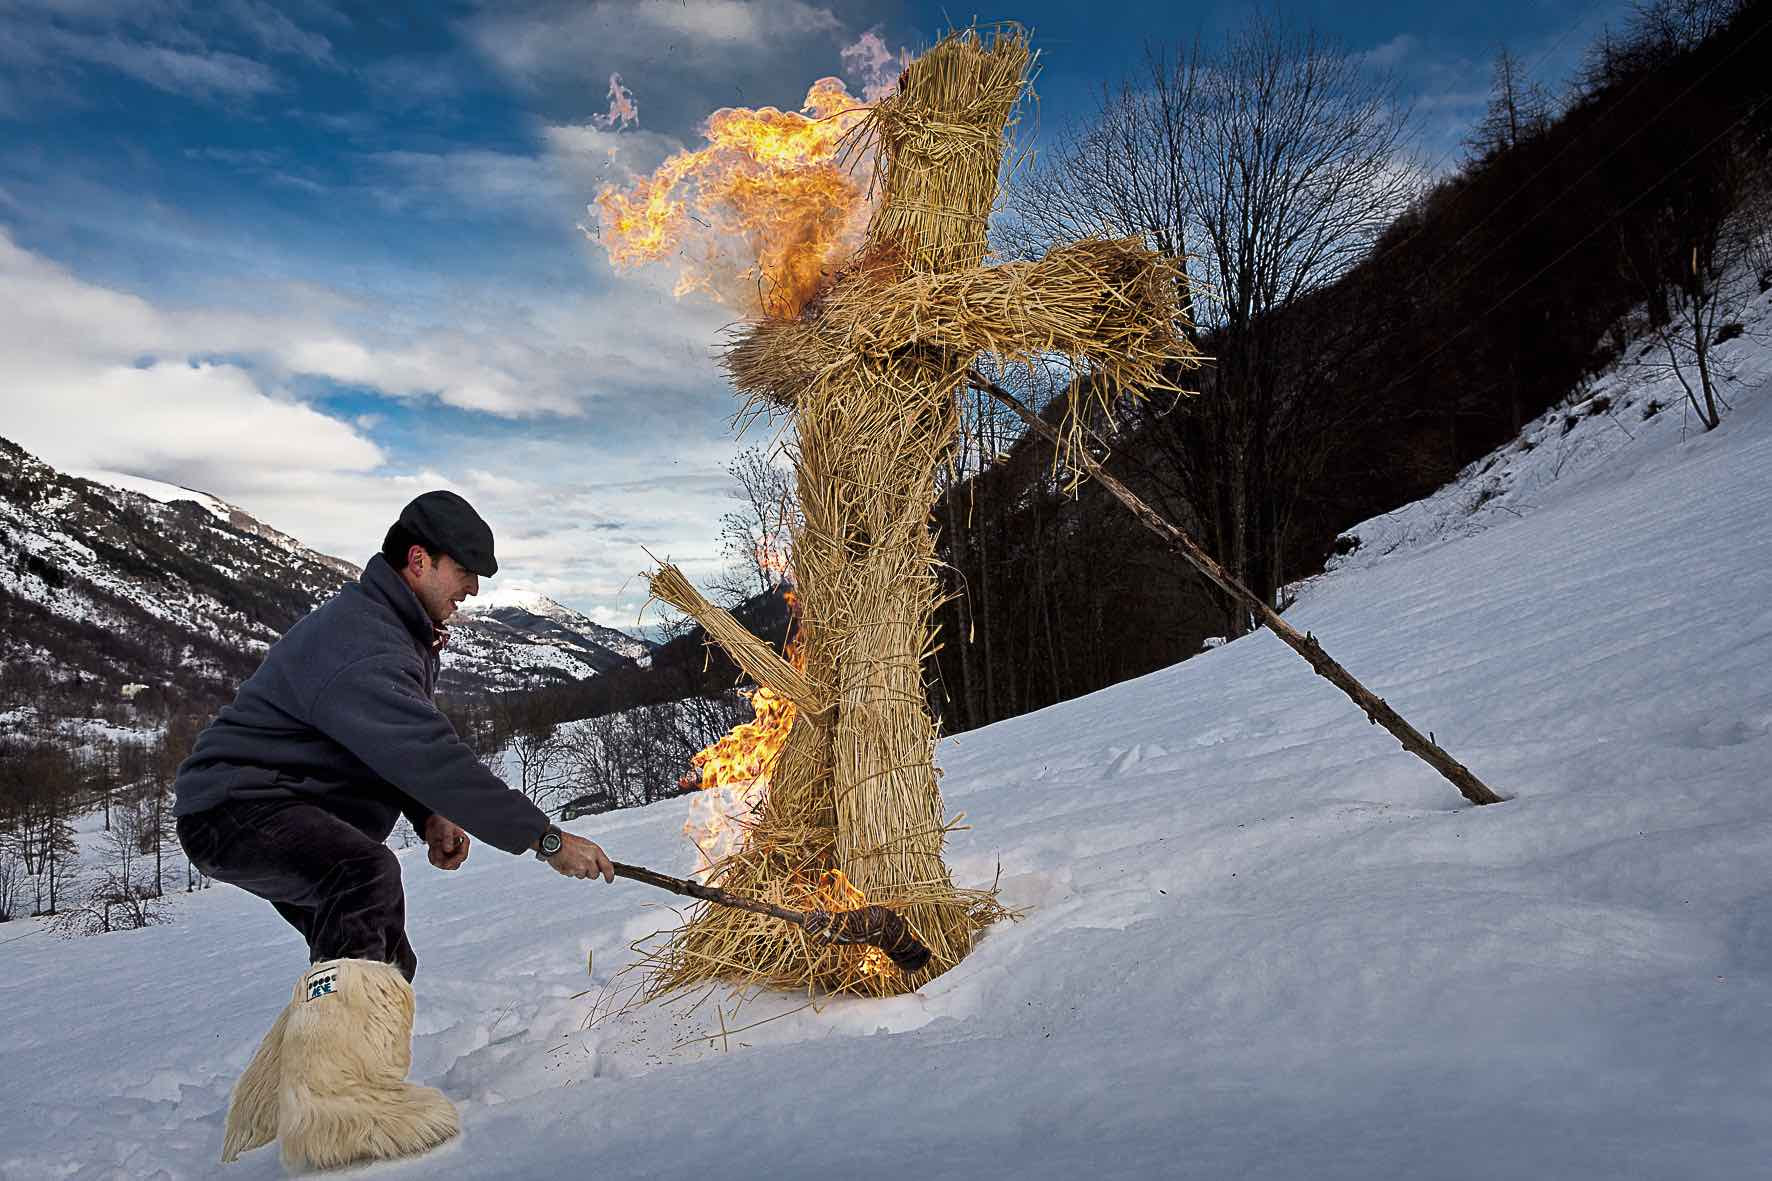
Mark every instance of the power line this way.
pixel 26 935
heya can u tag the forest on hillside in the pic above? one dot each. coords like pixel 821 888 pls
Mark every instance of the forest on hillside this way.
pixel 1367 334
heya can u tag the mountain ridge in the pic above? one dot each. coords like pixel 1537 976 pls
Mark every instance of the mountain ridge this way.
pixel 136 581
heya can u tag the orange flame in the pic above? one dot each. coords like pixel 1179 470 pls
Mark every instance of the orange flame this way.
pixel 835 892
pixel 761 216
pixel 747 753
pixel 733 771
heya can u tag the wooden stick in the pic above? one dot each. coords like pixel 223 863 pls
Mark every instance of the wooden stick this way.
pixel 1306 645
pixel 877 926
pixel 689 889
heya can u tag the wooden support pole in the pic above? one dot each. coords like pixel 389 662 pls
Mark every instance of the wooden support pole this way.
pixel 1306 645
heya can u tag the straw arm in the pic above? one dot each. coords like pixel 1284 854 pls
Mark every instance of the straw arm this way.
pixel 758 660
pixel 1376 709
pixel 1108 302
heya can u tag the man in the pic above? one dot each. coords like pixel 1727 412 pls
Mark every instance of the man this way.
pixel 289 794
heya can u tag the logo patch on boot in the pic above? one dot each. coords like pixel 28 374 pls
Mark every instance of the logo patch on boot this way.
pixel 322 983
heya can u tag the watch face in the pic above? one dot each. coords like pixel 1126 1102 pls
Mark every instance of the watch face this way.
pixel 550 843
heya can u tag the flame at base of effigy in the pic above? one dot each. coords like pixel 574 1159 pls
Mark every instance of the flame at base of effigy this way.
pixel 719 821
pixel 733 772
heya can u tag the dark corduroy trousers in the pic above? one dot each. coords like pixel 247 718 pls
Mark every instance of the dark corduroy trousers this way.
pixel 329 876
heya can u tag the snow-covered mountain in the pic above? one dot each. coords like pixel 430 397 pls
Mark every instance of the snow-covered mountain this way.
pixel 1260 941
pixel 113 579
pixel 119 586
pixel 503 623
pixel 236 517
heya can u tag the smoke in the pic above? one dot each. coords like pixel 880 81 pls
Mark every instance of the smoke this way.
pixel 623 110
pixel 876 67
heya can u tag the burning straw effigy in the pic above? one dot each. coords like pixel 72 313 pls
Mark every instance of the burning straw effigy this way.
pixel 871 371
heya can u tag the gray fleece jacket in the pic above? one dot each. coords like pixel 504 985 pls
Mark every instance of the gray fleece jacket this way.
pixel 340 712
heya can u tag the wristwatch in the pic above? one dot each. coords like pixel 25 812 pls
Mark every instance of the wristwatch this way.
pixel 552 840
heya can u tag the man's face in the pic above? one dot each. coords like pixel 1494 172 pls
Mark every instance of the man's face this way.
pixel 440 585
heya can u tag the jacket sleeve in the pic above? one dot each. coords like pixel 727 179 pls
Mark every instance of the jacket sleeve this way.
pixel 416 813
pixel 377 709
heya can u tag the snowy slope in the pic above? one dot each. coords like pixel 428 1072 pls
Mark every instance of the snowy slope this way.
pixel 1261 941
pixel 1623 429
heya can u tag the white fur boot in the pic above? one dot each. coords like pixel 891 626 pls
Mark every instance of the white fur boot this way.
pixel 347 1045
pixel 252 1109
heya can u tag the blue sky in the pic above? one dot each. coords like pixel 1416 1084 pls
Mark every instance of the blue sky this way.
pixel 316 258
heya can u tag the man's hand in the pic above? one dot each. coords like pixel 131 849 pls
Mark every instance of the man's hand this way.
pixel 448 844
pixel 579 858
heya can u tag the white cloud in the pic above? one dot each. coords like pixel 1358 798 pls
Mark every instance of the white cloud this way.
pixel 203 75
pixel 563 528
pixel 1391 53
pixel 93 377
pixel 535 43
pixel 202 419
pixel 98 378
pixel 551 188
pixel 748 21
pixel 514 354
pixel 274 31
pixel 587 155
pixel 204 50
pixel 480 179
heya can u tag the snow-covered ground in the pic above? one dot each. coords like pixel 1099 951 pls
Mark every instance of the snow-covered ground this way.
pixel 1261 941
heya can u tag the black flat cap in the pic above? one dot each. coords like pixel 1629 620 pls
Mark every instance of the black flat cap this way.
pixel 450 524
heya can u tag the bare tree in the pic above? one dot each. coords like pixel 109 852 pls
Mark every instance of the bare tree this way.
pixel 754 536
pixel 1270 162
pixel 700 721
pixel 157 827
pixel 37 788
pixel 1656 32
pixel 533 745
pixel 638 756
pixel 1702 264
pixel 682 729
pixel 12 882
pixel 103 777
pixel 1519 109
pixel 597 755
pixel 985 437
pixel 124 896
